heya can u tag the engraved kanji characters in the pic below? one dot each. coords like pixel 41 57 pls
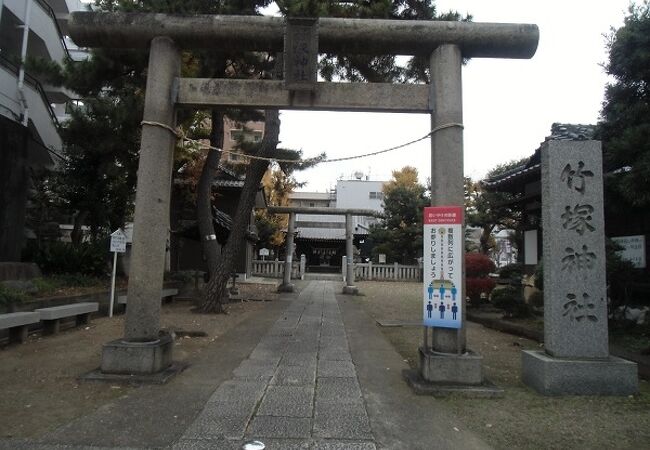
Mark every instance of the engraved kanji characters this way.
pixel 576 179
pixel 578 260
pixel 579 309
pixel 578 218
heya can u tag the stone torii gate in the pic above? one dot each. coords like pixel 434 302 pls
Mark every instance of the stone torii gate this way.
pixel 349 287
pixel 143 351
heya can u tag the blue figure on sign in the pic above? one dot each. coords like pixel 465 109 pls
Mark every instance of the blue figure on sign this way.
pixel 454 291
pixel 442 291
pixel 429 309
pixel 442 308
pixel 454 311
pixel 430 290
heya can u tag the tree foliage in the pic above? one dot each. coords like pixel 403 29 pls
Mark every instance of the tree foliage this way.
pixel 399 233
pixel 490 210
pixel 625 118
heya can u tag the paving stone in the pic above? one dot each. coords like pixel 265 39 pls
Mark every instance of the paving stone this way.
pixel 337 390
pixel 233 391
pixel 336 369
pixel 286 444
pixel 251 368
pixel 206 444
pixel 354 407
pixel 299 359
pixel 335 355
pixel 287 401
pixel 343 445
pixel 208 426
pixel 280 427
pixel 270 356
pixel 243 407
pixel 341 424
pixel 295 376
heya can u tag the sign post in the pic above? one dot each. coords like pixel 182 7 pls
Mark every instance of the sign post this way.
pixel 118 245
pixel 264 252
pixel 443 267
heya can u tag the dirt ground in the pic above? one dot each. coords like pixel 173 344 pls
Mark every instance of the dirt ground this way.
pixel 38 379
pixel 522 419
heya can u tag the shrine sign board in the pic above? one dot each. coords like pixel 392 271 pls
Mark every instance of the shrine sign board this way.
pixel 118 241
pixel 633 249
pixel 443 266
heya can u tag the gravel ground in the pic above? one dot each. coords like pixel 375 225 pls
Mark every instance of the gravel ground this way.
pixel 522 419
pixel 39 383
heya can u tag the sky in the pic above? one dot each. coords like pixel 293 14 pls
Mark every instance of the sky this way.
pixel 508 105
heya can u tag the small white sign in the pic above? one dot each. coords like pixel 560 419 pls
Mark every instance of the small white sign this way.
pixel 633 249
pixel 264 252
pixel 382 258
pixel 118 241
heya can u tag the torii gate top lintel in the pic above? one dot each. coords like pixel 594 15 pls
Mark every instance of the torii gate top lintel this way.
pixel 335 35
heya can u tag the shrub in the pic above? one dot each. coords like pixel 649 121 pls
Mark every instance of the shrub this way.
pixel 512 271
pixel 476 286
pixel 50 284
pixel 10 297
pixel 478 265
pixel 510 301
pixel 477 269
pixel 64 258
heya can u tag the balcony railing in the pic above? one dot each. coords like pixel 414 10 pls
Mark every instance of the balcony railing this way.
pixel 34 83
pixel 48 9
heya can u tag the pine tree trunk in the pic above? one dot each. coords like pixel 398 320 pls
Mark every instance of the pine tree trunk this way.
pixel 215 294
pixel 204 194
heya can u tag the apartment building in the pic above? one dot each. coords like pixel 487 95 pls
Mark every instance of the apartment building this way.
pixel 30 109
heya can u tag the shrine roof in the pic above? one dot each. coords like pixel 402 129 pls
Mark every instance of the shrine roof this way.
pixel 530 170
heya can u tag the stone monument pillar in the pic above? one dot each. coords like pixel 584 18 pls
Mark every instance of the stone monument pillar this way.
pixel 143 350
pixel 286 285
pixel 576 358
pixel 349 287
pixel 447 361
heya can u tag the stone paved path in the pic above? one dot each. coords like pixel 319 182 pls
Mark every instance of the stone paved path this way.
pixel 298 389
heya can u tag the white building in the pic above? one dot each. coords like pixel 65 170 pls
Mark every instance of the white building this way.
pixel 30 109
pixel 322 237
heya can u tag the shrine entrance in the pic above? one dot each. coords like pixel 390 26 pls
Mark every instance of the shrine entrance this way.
pixel 445 44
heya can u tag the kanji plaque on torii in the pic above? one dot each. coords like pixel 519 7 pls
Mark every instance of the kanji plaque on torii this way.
pixel 300 54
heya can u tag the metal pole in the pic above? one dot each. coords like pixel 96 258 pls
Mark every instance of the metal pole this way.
pixel 112 299
pixel 21 70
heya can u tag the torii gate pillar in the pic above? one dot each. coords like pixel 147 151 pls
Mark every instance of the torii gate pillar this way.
pixel 447 361
pixel 286 285
pixel 143 351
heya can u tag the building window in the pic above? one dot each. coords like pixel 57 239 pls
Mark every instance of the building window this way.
pixel 245 135
pixel 311 204
pixel 376 196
